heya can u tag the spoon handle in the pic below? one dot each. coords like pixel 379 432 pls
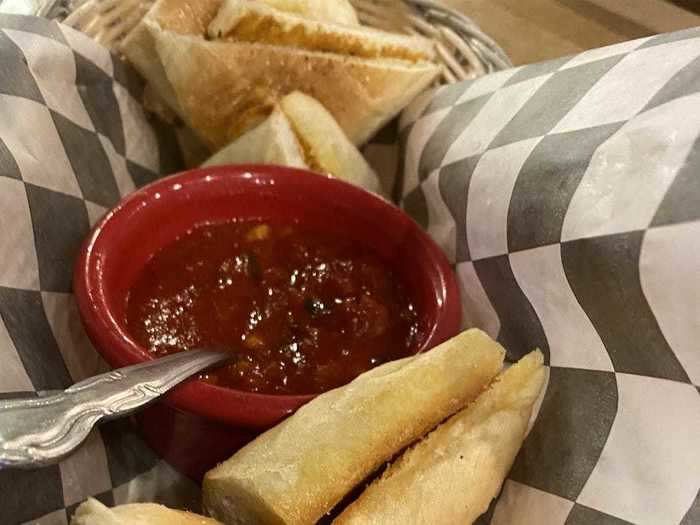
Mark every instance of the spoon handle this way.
pixel 42 430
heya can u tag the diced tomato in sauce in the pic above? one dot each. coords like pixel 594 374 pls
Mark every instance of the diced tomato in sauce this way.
pixel 306 311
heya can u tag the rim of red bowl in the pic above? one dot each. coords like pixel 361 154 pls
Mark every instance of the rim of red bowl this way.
pixel 226 405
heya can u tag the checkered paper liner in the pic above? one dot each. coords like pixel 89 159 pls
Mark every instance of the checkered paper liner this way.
pixel 73 141
pixel 567 194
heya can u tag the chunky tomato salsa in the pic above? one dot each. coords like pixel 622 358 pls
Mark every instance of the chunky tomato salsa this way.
pixel 305 310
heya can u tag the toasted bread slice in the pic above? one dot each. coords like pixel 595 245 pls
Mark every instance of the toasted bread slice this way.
pixel 327 148
pixel 181 17
pixel 224 89
pixel 257 21
pixel 221 89
pixel 296 472
pixel 454 473
pixel 300 133
pixel 92 512
pixel 272 142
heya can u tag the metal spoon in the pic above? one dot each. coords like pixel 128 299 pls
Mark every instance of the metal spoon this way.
pixel 42 430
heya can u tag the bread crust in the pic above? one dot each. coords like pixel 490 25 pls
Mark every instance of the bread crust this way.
pixel 254 21
pixel 221 89
pixel 296 472
pixel 226 88
pixel 325 142
pixel 180 17
pixel 452 475
pixel 272 142
pixel 334 11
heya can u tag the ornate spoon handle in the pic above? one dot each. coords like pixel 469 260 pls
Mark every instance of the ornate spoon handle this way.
pixel 42 430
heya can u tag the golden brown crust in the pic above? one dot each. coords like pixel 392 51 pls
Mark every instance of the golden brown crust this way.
pixel 332 11
pixel 224 89
pixel 452 475
pixel 301 133
pixel 245 21
pixel 272 142
pixel 300 469
pixel 185 17
pixel 324 144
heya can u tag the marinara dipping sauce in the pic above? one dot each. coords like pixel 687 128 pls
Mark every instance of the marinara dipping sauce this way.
pixel 305 310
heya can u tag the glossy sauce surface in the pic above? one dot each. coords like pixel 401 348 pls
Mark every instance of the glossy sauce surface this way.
pixel 306 311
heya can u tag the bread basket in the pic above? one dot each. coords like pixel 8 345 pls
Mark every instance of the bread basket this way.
pixel 463 48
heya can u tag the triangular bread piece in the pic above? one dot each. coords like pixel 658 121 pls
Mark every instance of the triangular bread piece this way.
pixel 256 21
pixel 225 88
pixel 222 89
pixel 300 133
pixel 327 148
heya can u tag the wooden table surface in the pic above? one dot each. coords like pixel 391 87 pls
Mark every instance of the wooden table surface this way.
pixel 535 30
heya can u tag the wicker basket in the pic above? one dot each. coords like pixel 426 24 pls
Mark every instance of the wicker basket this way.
pixel 464 49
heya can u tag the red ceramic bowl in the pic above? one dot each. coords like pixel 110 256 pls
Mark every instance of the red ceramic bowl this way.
pixel 143 223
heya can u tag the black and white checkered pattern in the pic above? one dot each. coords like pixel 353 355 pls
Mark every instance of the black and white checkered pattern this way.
pixel 73 140
pixel 567 194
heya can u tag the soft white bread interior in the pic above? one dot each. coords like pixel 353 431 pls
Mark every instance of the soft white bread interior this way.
pixel 327 148
pixel 453 474
pixel 301 133
pixel 297 471
pixel 224 87
pixel 92 512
